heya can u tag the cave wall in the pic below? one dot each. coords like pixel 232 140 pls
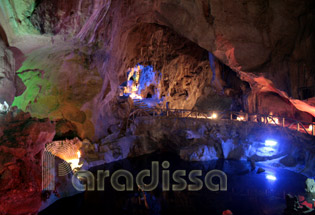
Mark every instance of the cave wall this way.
pixel 273 37
pixel 7 73
pixel 23 140
pixel 186 73
pixel 270 38
pixel 10 84
pixel 61 82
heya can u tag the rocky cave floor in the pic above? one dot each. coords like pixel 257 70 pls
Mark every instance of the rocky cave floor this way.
pixel 237 148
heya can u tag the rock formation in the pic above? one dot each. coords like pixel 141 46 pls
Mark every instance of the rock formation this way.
pixel 67 60
pixel 310 185
pixel 11 85
pixel 23 140
pixel 270 39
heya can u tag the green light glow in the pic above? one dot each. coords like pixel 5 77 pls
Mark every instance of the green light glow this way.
pixel 39 74
pixel 17 15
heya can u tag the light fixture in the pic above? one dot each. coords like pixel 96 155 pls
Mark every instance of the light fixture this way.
pixel 271 143
pixel 240 118
pixel 310 128
pixel 213 116
pixel 271 177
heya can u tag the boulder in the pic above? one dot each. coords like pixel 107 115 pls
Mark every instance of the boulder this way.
pixel 198 153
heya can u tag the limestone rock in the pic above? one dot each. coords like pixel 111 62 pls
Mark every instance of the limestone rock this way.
pixel 201 47
pixel 310 185
pixel 198 153
pixel 260 170
pixel 54 91
pixel 118 150
pixel 11 85
pixel 22 144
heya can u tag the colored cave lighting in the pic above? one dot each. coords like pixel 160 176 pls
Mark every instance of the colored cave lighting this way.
pixel 271 143
pixel 67 151
pixel 266 151
pixel 274 121
pixel 135 96
pixel 240 118
pixel 271 119
pixel 132 88
pixel 213 116
pixel 271 177
pixel 139 78
pixel 4 108
pixel 74 163
pixel 310 128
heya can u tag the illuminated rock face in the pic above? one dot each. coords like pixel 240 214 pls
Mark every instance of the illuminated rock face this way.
pixel 206 140
pixel 260 37
pixel 310 185
pixel 23 140
pixel 10 84
pixel 61 84
pixel 185 76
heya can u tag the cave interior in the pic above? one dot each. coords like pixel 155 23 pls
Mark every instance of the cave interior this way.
pixel 157 107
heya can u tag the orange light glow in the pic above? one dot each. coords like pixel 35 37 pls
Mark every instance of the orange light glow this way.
pixel 273 120
pixel 67 150
pixel 132 87
pixel 74 163
pixel 240 118
pixel 310 128
pixel 266 85
pixel 213 116
pixel 135 96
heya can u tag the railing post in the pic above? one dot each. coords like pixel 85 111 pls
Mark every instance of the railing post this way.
pixel 246 117
pixel 283 122
pixel 298 126
pixel 231 116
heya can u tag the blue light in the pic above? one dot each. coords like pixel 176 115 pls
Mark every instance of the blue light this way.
pixel 266 151
pixel 270 143
pixel 149 76
pixel 271 177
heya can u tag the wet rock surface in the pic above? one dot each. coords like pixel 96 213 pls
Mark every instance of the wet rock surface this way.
pixel 210 140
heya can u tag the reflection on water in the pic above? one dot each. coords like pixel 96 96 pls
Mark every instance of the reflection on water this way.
pixel 248 192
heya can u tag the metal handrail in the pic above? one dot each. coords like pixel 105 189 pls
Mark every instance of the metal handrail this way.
pixel 185 113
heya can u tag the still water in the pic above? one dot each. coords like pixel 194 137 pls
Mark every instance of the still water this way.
pixel 247 192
